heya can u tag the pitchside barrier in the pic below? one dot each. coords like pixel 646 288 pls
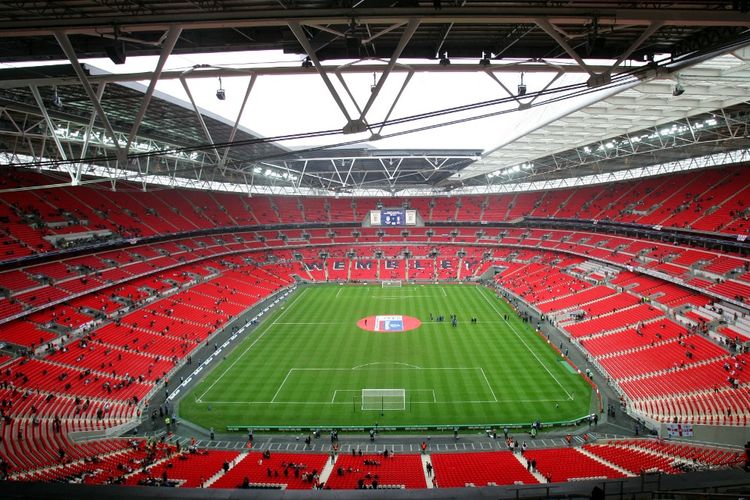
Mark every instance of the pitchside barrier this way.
pixel 498 426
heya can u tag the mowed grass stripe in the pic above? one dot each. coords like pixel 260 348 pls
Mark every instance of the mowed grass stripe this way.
pixel 318 330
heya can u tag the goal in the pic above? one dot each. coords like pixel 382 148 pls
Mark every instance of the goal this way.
pixel 383 399
pixel 391 283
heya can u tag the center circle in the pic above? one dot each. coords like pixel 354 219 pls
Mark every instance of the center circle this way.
pixel 388 323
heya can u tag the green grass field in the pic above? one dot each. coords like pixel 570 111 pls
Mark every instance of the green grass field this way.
pixel 306 365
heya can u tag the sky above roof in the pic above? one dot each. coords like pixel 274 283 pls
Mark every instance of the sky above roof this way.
pixel 292 104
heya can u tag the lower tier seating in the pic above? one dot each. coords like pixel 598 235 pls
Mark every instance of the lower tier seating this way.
pixel 565 464
pixel 456 470
pixel 295 471
pixel 350 472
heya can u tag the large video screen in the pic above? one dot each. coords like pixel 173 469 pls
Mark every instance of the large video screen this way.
pixel 393 217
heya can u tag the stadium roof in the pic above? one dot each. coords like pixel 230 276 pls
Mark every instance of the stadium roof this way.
pixel 608 88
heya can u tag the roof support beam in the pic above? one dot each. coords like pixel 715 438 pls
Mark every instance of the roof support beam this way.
pixel 390 28
pixel 199 116
pixel 232 134
pixel 575 15
pixel 48 121
pixel 526 67
pixel 302 39
pixel 637 43
pixel 351 96
pixel 70 53
pixel 491 74
pixel 169 42
pixel 87 135
pixel 557 37
pixel 393 105
pixel 411 28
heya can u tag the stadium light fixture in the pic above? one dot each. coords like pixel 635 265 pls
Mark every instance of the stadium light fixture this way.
pixel 521 87
pixel 56 101
pixel 116 52
pixel 221 93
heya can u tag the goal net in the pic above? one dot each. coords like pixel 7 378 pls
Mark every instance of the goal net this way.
pixel 383 399
pixel 391 283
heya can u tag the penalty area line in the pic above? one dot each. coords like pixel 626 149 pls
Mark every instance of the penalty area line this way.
pixel 283 312
pixel 273 399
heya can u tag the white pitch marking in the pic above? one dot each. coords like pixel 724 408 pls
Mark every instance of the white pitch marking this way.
pixel 314 323
pixel 253 343
pixel 273 399
pixel 473 401
pixel 399 297
pixel 387 363
pixel 528 348
pixel 488 383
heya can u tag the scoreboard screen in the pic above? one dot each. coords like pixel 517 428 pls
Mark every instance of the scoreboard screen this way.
pixel 393 217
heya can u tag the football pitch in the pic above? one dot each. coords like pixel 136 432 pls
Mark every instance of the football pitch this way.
pixel 314 363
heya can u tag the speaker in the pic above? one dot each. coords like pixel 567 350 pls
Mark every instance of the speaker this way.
pixel 116 52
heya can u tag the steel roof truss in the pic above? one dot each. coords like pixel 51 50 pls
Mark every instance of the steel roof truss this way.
pixel 301 37
pixel 232 134
pixel 173 34
pixel 50 126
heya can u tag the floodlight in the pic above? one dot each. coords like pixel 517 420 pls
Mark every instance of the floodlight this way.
pixel 56 101
pixel 484 61
pixel 307 63
pixel 221 93
pixel 678 90
pixel 116 52
pixel 521 87
pixel 444 61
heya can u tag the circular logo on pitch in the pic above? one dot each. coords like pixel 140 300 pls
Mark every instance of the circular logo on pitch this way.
pixel 389 323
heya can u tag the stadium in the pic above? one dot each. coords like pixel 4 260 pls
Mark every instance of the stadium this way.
pixel 371 248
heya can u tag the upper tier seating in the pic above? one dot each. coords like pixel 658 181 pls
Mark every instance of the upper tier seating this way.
pixel 130 356
pixel 707 200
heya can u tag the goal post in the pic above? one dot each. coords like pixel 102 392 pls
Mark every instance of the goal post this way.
pixel 384 399
pixel 391 283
